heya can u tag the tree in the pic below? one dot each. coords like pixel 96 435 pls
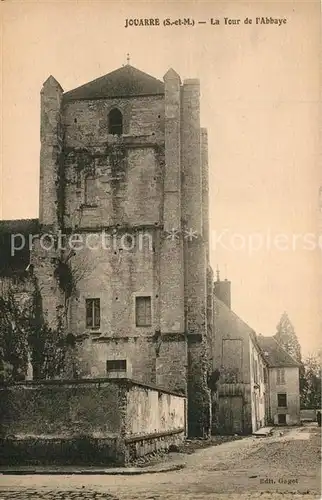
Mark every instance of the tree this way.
pixel 13 338
pixel 311 389
pixel 286 337
pixel 24 335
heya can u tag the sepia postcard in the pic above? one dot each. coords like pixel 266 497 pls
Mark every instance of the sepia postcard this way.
pixel 160 250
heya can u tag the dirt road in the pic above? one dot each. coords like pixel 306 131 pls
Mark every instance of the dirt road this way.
pixel 281 467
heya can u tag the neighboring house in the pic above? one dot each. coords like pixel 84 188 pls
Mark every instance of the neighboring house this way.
pixel 124 155
pixel 283 384
pixel 236 354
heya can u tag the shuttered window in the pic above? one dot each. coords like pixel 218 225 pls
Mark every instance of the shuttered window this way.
pixel 93 313
pixel 143 311
pixel 280 376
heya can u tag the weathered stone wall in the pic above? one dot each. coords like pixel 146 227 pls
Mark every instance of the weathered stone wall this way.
pixel 136 176
pixel 205 188
pixel 139 352
pixel 93 421
pixel 172 362
pixel 44 259
pixel 131 197
pixel 127 172
pixel 191 155
pixel 155 420
pixel 61 409
pixel 151 411
pixel 44 252
pixel 210 310
pixel 199 395
pixel 153 178
pixel 86 121
pixel 151 359
pixel 194 168
pixel 51 137
pixel 116 276
pixel 171 248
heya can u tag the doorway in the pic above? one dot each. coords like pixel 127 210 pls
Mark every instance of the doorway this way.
pixel 230 418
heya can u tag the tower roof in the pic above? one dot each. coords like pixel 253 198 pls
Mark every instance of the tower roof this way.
pixel 126 81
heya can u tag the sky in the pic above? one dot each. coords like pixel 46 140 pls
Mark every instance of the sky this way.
pixel 260 101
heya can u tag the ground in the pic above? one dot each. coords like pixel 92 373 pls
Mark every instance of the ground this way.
pixel 284 466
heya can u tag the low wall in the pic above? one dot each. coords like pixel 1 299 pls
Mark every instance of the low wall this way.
pixel 61 410
pixel 87 421
pixel 308 415
pixel 154 420
pixel 151 411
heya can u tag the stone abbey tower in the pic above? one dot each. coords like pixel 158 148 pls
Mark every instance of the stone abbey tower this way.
pixel 124 156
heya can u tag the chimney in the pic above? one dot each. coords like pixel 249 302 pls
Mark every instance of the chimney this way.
pixel 222 290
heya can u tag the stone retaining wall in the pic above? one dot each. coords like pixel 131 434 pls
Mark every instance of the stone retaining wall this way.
pixel 94 421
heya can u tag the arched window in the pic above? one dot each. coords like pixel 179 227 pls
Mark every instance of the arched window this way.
pixel 115 122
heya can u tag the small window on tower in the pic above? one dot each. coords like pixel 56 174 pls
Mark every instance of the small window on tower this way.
pixel 115 122
pixel 143 311
pixel 93 313
pixel 116 365
pixel 90 191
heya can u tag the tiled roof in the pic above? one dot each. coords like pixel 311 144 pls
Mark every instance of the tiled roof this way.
pixel 123 82
pixel 25 226
pixel 274 353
